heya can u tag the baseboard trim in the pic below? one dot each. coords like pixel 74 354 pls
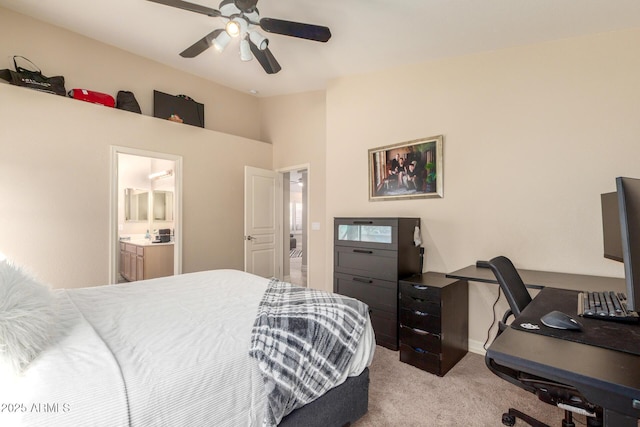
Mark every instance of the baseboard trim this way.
pixel 477 347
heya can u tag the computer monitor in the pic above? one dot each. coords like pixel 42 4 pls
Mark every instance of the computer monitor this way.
pixel 612 237
pixel 627 213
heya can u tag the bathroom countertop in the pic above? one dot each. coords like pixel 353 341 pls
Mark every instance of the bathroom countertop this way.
pixel 145 242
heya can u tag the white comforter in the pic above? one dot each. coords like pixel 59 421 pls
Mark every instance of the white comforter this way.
pixel 163 352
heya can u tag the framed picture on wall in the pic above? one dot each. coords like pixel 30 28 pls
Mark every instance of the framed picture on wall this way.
pixel 408 170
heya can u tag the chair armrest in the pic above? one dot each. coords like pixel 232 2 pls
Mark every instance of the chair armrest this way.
pixel 502 325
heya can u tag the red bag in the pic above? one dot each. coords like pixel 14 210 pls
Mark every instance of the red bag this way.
pixel 94 97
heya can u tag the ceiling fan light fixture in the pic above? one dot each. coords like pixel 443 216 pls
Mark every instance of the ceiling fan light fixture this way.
pixel 237 26
pixel 245 50
pixel 259 40
pixel 220 42
pixel 232 28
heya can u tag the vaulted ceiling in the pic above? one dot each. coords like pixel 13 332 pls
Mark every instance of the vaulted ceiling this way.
pixel 367 35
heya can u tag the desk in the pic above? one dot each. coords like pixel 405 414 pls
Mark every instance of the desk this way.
pixel 536 279
pixel 608 378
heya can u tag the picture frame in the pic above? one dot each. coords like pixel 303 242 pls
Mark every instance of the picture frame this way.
pixel 407 170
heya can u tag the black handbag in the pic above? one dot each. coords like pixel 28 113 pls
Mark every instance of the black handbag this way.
pixel 125 100
pixel 33 79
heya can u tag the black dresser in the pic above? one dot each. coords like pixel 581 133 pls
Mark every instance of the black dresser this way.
pixel 434 321
pixel 370 256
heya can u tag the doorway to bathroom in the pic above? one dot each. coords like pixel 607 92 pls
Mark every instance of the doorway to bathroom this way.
pixel 146 215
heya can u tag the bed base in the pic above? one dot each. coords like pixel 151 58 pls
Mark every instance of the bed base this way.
pixel 339 407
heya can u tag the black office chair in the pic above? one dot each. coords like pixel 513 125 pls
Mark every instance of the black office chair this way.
pixel 513 287
pixel 562 395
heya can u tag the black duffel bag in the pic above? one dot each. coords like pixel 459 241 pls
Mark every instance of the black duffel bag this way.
pixel 125 100
pixel 33 79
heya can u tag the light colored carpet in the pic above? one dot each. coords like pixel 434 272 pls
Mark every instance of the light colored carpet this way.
pixel 468 395
pixel 296 275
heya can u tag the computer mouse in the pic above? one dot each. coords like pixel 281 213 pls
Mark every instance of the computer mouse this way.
pixel 559 320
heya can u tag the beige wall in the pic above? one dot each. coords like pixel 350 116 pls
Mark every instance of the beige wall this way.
pixel 55 188
pixel 88 64
pixel 533 135
pixel 295 125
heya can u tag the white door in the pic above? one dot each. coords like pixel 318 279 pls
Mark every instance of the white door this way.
pixel 262 219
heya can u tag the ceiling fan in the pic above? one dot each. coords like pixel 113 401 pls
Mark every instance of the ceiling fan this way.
pixel 241 18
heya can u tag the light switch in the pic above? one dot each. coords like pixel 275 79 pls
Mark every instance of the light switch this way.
pixel 315 226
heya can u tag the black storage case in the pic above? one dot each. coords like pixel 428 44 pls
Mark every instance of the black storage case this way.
pixel 190 111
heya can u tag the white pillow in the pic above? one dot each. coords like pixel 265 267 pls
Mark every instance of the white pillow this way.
pixel 27 317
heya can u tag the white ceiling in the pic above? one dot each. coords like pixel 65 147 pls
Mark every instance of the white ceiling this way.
pixel 367 35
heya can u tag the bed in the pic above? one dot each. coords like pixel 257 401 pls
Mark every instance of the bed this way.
pixel 165 352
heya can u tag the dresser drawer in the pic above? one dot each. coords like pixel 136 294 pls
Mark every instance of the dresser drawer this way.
pixel 377 294
pixel 420 291
pixel 418 304
pixel 420 339
pixel 374 233
pixel 374 263
pixel 420 359
pixel 385 326
pixel 420 320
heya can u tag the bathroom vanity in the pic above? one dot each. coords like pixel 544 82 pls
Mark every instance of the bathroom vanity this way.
pixel 141 260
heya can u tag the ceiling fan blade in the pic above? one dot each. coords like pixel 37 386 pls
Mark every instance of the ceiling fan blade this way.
pixel 189 6
pixel 296 29
pixel 265 58
pixel 201 45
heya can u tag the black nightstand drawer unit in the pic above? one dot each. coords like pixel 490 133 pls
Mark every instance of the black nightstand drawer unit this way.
pixel 434 321
pixel 370 255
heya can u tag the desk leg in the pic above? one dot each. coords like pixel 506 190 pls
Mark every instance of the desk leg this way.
pixel 614 419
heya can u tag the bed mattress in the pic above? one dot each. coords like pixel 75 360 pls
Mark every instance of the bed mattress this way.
pixel 162 352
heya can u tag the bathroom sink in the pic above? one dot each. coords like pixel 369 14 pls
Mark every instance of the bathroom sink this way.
pixel 140 242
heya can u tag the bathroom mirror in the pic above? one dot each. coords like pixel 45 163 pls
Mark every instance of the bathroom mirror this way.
pixel 163 205
pixel 136 204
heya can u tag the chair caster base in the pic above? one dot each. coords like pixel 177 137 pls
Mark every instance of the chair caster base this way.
pixel 594 422
pixel 508 419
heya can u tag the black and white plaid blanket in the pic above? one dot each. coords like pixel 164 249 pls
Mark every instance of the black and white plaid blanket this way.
pixel 303 340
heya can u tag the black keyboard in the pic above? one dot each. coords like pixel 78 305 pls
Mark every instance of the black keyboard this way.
pixel 606 305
